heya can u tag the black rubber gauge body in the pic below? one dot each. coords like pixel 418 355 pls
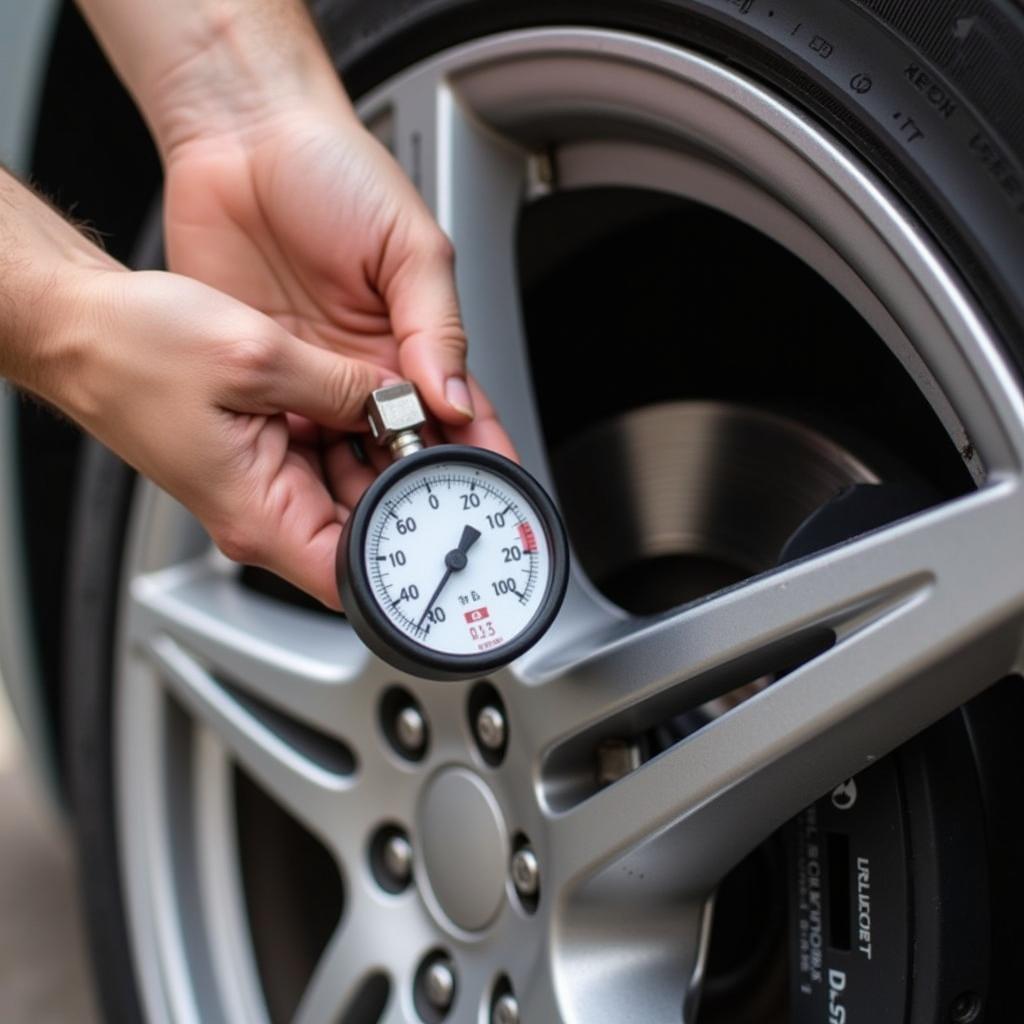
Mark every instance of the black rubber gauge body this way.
pixel 453 564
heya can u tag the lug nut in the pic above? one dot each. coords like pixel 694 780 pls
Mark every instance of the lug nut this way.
pixel 403 723
pixel 525 873
pixel 505 1010
pixel 397 858
pixel 391 858
pixel 439 985
pixel 411 730
pixel 490 728
pixel 488 722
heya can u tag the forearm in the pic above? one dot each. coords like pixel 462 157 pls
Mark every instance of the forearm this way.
pixel 42 260
pixel 215 67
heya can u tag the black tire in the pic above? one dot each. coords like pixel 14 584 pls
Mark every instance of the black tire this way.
pixel 962 175
pixel 97 542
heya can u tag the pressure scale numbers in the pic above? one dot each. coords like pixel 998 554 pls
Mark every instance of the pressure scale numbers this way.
pixel 455 561
pixel 457 558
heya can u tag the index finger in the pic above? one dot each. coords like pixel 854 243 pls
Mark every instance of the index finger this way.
pixel 485 430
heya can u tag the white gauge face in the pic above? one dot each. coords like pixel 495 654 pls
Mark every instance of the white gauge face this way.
pixel 457 558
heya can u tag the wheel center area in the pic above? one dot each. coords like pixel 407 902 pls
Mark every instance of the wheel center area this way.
pixel 465 847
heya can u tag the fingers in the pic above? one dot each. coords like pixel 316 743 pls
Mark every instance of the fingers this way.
pixel 485 431
pixel 309 562
pixel 426 322
pixel 347 475
pixel 324 386
pixel 272 371
pixel 302 430
pixel 293 531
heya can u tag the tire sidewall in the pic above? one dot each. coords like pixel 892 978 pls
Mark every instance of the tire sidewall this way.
pixel 99 528
pixel 930 138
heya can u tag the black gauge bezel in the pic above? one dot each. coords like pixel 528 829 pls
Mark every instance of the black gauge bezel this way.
pixel 374 627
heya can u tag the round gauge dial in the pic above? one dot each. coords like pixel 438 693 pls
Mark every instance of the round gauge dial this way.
pixel 454 563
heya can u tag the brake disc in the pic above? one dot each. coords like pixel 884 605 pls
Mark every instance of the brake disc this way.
pixel 880 921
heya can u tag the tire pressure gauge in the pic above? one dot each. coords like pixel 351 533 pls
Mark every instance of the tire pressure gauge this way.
pixel 454 562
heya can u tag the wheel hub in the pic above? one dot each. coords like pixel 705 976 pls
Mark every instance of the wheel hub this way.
pixel 465 847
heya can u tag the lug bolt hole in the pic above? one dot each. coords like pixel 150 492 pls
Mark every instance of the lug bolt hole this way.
pixel 391 858
pixel 404 724
pixel 504 1005
pixel 488 722
pixel 434 987
pixel 524 869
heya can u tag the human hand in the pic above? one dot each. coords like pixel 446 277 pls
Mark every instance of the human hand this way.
pixel 277 195
pixel 198 391
pixel 308 218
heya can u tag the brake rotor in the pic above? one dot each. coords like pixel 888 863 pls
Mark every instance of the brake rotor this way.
pixel 669 502
pixel 694 496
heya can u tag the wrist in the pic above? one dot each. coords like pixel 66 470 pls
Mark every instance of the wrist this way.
pixel 45 259
pixel 234 72
pixel 73 326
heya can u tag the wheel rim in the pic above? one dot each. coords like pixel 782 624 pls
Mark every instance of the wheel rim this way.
pixel 921 615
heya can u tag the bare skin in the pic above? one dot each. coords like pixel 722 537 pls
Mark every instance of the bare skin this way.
pixel 323 275
pixel 191 387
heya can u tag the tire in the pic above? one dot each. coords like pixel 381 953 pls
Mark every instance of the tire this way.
pixel 955 68
pixel 953 155
pixel 100 521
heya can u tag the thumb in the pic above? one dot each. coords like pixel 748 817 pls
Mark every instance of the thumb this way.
pixel 290 375
pixel 425 320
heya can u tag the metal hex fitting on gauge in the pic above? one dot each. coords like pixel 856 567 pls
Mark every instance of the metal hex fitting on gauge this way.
pixel 396 415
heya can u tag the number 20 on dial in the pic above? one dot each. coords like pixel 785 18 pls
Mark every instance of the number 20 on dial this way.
pixel 453 563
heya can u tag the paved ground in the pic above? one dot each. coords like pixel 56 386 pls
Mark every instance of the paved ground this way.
pixel 43 972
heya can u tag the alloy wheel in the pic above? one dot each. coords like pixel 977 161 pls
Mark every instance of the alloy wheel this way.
pixel 483 877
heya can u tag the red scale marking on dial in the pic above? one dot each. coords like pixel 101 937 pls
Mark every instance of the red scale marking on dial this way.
pixel 527 537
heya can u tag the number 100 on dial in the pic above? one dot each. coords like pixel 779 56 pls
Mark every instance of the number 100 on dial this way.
pixel 453 563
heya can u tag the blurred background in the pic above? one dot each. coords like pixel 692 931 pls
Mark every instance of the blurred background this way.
pixel 43 970
pixel 44 976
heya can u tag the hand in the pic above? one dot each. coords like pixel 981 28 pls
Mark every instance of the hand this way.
pixel 306 217
pixel 277 195
pixel 195 390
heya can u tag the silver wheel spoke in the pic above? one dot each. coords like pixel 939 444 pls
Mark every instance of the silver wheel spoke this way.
pixel 926 614
pixel 473 180
pixel 352 956
pixel 855 648
pixel 611 949
pixel 344 967
pixel 309 791
pixel 394 1012
pixel 296 661
pixel 223 899
pixel 638 672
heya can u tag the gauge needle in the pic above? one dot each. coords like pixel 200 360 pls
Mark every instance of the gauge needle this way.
pixel 455 561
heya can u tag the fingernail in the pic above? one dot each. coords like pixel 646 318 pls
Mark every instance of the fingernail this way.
pixel 388 381
pixel 456 392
